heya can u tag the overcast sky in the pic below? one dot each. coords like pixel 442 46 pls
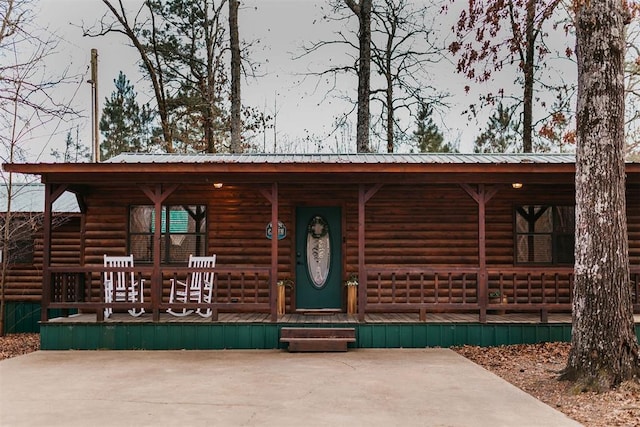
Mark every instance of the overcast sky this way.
pixel 282 26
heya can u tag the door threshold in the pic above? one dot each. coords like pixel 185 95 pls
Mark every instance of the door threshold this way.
pixel 318 311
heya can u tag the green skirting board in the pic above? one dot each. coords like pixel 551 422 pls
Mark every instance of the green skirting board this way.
pixel 24 317
pixel 213 336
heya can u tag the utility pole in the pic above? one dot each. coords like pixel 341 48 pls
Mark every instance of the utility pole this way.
pixel 94 102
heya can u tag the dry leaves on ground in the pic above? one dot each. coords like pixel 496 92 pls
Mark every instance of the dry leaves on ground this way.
pixel 12 345
pixel 534 368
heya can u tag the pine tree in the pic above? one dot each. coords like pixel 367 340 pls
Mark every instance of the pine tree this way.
pixel 124 124
pixel 427 136
pixel 501 135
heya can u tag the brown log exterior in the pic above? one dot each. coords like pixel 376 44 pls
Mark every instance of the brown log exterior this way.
pixel 24 281
pixel 416 243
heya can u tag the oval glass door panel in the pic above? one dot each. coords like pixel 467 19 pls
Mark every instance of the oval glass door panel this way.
pixel 318 251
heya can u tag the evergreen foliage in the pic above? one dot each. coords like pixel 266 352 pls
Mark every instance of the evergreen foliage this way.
pixel 125 125
pixel 427 136
pixel 501 135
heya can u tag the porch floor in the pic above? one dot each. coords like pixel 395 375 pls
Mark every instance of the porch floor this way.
pixel 531 318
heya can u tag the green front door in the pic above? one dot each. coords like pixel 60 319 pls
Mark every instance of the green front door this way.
pixel 318 258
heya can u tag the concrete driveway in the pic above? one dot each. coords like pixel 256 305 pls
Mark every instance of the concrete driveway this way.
pixel 399 387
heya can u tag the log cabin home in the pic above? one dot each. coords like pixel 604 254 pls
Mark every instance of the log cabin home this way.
pixel 417 237
pixel 23 279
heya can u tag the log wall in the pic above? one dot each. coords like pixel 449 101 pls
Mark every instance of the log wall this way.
pixel 24 281
pixel 424 225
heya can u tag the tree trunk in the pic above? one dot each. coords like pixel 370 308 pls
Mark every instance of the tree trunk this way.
pixel 390 139
pixel 236 121
pixel 528 71
pixel 389 92
pixel 604 349
pixel 363 11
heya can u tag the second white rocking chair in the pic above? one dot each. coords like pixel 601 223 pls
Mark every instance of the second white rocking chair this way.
pixel 196 289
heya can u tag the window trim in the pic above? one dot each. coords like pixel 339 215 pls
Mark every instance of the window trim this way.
pixel 166 235
pixel 555 235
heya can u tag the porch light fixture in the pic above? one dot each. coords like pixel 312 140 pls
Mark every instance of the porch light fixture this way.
pixel 217 185
pixel 517 185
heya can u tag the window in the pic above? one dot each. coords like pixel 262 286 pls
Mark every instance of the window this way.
pixel 183 232
pixel 545 234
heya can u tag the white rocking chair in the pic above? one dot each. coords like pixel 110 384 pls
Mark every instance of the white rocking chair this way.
pixel 197 288
pixel 121 285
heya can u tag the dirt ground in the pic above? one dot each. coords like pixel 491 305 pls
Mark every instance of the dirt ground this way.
pixel 533 368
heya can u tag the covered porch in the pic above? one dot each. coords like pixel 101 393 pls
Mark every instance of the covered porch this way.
pixel 428 238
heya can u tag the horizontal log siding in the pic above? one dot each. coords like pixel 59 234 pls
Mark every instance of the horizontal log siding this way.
pixel 421 225
pixel 24 281
pixel 410 230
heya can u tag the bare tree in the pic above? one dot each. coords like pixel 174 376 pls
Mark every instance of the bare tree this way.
pixel 26 104
pixel 141 31
pixel 403 45
pixel 489 51
pixel 604 348
pixel 395 42
pixel 183 47
pixel 236 103
pixel 362 9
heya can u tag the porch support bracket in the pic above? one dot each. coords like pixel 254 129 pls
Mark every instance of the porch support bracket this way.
pixel 364 196
pixel 482 196
pixel 157 195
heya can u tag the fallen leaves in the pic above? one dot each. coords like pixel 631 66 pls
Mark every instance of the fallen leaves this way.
pixel 12 345
pixel 534 368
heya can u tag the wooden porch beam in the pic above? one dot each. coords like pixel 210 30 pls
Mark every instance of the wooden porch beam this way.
pixel 482 195
pixel 46 253
pixel 273 292
pixel 157 196
pixel 364 196
pixel 51 193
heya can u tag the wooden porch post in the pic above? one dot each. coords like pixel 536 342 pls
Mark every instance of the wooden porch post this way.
pixel 51 194
pixel 46 254
pixel 273 291
pixel 481 196
pixel 272 197
pixel 362 278
pixel 363 198
pixel 157 196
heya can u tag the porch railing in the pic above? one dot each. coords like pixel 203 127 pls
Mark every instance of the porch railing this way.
pixel 389 289
pixel 421 289
pixel 452 288
pixel 235 289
